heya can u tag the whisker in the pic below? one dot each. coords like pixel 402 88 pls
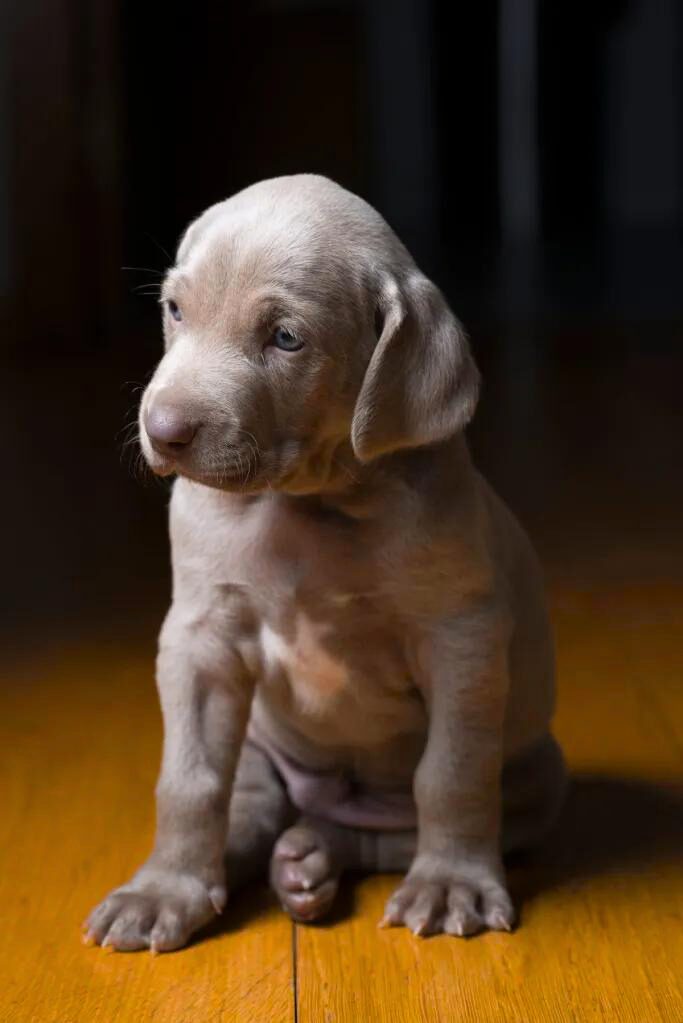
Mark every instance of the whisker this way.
pixel 146 289
pixel 249 435
pixel 126 432
pixel 159 246
pixel 133 387
pixel 251 460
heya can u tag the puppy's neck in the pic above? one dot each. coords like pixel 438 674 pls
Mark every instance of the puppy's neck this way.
pixel 336 481
pixel 331 474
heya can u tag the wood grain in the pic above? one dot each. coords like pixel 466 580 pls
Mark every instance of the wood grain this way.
pixel 602 902
pixel 79 745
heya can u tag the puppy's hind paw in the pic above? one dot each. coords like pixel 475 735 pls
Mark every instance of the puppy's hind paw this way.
pixel 302 873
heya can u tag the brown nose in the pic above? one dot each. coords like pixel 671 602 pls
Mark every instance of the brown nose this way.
pixel 169 429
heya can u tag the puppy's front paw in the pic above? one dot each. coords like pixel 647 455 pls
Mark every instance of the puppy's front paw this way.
pixel 158 910
pixel 450 902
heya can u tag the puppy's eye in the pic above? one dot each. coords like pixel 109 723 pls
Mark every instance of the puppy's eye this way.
pixel 174 310
pixel 286 341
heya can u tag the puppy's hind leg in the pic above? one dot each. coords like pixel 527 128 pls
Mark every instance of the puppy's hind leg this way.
pixel 259 811
pixel 534 787
pixel 309 858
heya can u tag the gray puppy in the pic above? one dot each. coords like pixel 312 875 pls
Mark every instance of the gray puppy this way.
pixel 356 670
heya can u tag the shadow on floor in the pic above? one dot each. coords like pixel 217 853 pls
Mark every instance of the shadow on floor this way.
pixel 608 825
pixel 246 908
pixel 256 902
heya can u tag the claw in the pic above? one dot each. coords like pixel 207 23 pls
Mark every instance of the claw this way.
pixel 218 897
pixel 388 920
pixel 500 922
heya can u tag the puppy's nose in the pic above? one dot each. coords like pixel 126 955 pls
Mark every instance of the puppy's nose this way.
pixel 169 429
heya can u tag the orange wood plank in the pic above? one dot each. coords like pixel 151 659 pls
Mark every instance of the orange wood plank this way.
pixel 79 745
pixel 602 903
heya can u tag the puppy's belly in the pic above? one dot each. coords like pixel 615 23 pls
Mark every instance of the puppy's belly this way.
pixel 336 794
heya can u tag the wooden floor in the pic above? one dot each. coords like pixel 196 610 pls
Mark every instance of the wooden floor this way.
pixel 601 934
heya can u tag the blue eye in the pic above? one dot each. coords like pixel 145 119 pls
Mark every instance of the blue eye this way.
pixel 285 341
pixel 174 310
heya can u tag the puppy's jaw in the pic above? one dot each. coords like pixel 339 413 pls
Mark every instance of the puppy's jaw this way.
pixel 238 476
pixel 298 469
pixel 243 473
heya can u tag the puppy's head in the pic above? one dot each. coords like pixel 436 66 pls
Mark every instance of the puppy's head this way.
pixel 297 325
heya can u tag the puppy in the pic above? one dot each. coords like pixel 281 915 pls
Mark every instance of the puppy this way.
pixel 356 670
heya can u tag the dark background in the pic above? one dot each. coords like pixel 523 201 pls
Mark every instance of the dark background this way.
pixel 530 155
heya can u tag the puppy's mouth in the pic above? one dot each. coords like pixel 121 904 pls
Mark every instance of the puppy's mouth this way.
pixel 241 474
pixel 235 470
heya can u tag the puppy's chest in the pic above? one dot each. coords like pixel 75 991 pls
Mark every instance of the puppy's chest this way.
pixel 339 675
pixel 304 663
pixel 327 635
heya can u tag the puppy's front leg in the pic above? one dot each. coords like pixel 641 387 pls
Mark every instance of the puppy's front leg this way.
pixel 205 695
pixel 456 883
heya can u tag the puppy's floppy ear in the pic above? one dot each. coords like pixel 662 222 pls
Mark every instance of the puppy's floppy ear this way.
pixel 422 384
